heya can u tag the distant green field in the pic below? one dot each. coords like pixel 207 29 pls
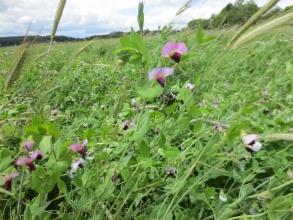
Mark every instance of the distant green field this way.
pixel 63 98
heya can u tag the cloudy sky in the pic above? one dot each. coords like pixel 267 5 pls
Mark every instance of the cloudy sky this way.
pixel 89 17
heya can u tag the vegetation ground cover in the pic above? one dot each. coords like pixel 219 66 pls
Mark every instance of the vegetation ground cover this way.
pixel 152 152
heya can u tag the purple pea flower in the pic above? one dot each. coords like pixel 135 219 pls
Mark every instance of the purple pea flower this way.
pixel 79 148
pixel 36 155
pixel 28 145
pixel 8 180
pixel 160 74
pixel 174 50
pixel 25 161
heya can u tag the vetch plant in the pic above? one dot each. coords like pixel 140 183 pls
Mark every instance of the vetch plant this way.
pixel 26 161
pixel 252 142
pixel 174 50
pixel 160 74
pixel 8 180
pixel 79 148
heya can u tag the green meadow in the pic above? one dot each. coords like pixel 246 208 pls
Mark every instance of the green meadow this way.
pixel 152 152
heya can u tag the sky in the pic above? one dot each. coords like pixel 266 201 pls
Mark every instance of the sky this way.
pixel 83 18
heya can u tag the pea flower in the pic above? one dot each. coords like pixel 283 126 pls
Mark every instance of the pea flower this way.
pixel 160 74
pixel 25 161
pixel 252 142
pixel 28 145
pixel 174 50
pixel 36 155
pixel 77 164
pixel 171 171
pixel 190 86
pixel 8 180
pixel 79 148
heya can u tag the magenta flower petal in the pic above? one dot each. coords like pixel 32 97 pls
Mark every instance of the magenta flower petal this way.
pixel 28 145
pixel 36 155
pixel 25 161
pixel 169 49
pixel 78 148
pixel 160 74
pixel 182 48
pixel 174 50
pixel 8 180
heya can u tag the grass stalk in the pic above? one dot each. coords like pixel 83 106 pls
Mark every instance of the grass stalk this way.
pixel 254 18
pixel 263 29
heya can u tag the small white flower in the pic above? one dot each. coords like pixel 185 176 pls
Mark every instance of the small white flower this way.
pixel 223 197
pixel 189 86
pixel 77 164
pixel 252 142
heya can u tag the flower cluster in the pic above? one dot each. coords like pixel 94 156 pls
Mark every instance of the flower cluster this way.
pixel 174 51
pixel 79 148
pixel 30 157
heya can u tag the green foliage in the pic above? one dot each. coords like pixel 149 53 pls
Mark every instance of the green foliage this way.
pixel 127 172
pixel 140 16
pixel 133 49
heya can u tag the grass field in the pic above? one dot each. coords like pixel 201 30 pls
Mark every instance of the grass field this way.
pixel 152 152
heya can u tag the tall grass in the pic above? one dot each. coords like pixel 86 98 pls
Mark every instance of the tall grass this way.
pixel 263 29
pixel 17 64
pixel 254 18
pixel 57 19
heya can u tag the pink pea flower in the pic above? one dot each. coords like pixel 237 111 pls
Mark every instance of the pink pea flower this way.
pixel 174 50
pixel 252 142
pixel 25 161
pixel 28 145
pixel 79 148
pixel 8 180
pixel 77 164
pixel 160 74
pixel 36 155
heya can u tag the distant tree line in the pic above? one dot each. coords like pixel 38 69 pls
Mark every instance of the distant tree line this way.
pixel 234 14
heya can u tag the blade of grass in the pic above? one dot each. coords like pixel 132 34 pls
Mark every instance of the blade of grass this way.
pixel 263 29
pixel 254 18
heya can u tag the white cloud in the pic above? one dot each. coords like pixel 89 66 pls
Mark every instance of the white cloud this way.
pixel 89 17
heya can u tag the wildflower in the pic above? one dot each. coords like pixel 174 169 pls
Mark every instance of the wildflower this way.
pixel 77 164
pixel 53 114
pixel 174 50
pixel 222 196
pixel 125 125
pixel 190 86
pixel 79 148
pixel 28 145
pixel 36 155
pixel 8 180
pixel 251 142
pixel 160 74
pixel 25 161
pixel 171 171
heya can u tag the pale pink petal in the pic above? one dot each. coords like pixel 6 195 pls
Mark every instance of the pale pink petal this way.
pixel 28 145
pixel 250 138
pixel 181 48
pixel 167 71
pixel 155 73
pixel 78 148
pixel 36 155
pixel 169 49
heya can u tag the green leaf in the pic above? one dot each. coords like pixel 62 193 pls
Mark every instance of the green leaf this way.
pixel 46 144
pixel 142 127
pixel 151 92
